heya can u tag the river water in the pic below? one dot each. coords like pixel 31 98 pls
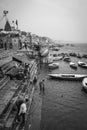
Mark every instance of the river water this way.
pixel 64 103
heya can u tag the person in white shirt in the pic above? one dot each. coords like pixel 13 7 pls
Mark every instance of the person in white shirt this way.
pixel 23 110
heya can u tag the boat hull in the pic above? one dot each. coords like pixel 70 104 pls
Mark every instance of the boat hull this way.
pixel 53 66
pixel 82 64
pixel 84 84
pixel 73 65
pixel 67 59
pixel 67 77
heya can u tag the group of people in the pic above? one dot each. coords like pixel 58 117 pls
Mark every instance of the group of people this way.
pixel 41 84
pixel 21 103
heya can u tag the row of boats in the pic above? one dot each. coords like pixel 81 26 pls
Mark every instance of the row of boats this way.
pixel 52 64
pixel 53 59
pixel 55 65
pixel 80 63
pixel 79 77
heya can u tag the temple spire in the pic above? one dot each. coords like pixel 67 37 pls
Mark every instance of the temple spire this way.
pixel 7 26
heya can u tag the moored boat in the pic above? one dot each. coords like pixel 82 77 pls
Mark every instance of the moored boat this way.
pixel 53 65
pixel 84 56
pixel 67 76
pixel 58 58
pixel 67 59
pixel 79 55
pixel 55 49
pixel 84 84
pixel 73 65
pixel 82 64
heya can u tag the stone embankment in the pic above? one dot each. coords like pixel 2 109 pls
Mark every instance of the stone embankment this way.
pixel 10 91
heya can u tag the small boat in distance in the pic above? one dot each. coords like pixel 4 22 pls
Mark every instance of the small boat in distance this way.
pixel 84 56
pixel 84 84
pixel 53 65
pixel 67 76
pixel 67 59
pixel 58 58
pixel 79 55
pixel 82 64
pixel 73 65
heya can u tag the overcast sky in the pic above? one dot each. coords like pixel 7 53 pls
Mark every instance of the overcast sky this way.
pixel 57 19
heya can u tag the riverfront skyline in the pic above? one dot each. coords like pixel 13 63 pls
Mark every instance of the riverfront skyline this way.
pixel 57 19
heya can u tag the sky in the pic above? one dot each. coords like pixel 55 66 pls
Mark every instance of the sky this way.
pixel 58 19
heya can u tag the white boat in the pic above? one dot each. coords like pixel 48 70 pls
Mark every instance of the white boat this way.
pixel 82 64
pixel 84 84
pixel 53 65
pixel 67 76
pixel 73 65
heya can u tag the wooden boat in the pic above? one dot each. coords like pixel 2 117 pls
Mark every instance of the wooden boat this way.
pixel 73 65
pixel 67 76
pixel 55 49
pixel 84 84
pixel 84 56
pixel 58 58
pixel 53 65
pixel 82 64
pixel 67 59
pixel 73 54
pixel 79 55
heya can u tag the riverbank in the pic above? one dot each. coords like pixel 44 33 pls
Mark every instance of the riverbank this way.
pixel 14 88
pixel 34 115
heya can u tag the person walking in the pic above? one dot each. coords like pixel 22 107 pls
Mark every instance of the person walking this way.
pixel 35 80
pixel 43 85
pixel 18 104
pixel 23 110
pixel 40 85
